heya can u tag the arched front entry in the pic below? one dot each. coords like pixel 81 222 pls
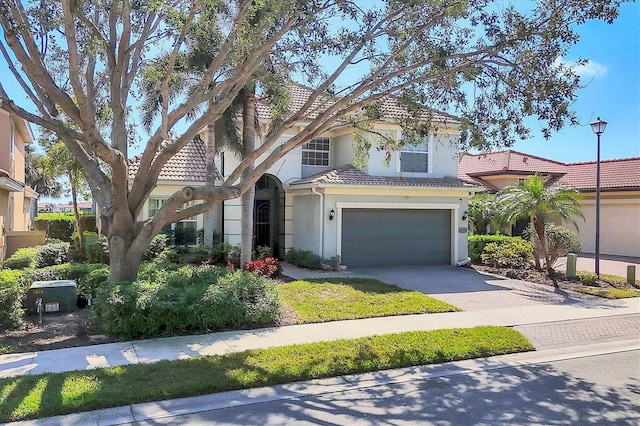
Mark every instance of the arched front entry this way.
pixel 268 215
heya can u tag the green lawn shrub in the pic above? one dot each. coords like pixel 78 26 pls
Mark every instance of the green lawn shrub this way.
pixel 477 244
pixel 513 253
pixel 190 299
pixel 156 246
pixel 23 258
pixel 96 248
pixel 587 278
pixel 52 254
pixel 560 241
pixel 304 259
pixel 12 287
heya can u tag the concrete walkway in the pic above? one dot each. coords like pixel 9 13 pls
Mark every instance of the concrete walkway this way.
pixel 487 300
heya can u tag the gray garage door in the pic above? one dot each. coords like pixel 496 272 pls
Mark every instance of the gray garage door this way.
pixel 381 237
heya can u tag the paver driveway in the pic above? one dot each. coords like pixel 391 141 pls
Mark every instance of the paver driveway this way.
pixel 462 287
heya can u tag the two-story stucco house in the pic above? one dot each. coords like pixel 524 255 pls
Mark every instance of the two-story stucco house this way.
pixel 15 196
pixel 406 207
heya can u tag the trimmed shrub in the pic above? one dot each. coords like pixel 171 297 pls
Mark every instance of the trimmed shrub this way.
pixel 52 254
pixel 186 300
pixel 263 252
pixel 514 253
pixel 12 287
pixel 23 258
pixel 96 248
pixel 50 273
pixel 477 244
pixel 560 241
pixel 220 254
pixel 269 267
pixel 304 259
pixel 156 246
pixel 587 278
pixel 59 226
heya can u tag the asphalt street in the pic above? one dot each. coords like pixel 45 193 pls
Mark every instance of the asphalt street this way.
pixel 597 389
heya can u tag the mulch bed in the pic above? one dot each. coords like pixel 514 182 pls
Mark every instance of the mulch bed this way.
pixel 541 277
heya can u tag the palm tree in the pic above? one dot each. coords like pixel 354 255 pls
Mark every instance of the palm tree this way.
pixel 533 199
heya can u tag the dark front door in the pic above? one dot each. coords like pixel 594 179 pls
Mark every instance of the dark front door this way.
pixel 262 223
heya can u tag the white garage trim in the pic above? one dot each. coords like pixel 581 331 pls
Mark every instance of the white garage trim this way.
pixel 454 207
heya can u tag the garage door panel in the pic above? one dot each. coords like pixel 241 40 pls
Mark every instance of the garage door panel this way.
pixel 378 237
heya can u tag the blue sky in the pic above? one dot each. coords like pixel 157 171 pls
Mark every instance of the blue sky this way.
pixel 612 92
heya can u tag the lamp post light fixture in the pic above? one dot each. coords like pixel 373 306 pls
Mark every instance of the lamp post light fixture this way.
pixel 332 214
pixel 598 127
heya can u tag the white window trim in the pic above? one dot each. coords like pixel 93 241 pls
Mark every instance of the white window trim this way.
pixel 316 150
pixel 429 153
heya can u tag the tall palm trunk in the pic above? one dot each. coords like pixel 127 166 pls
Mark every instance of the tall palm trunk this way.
pixel 247 199
pixel 76 215
pixel 539 228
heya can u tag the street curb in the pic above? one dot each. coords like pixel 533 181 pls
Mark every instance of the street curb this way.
pixel 183 406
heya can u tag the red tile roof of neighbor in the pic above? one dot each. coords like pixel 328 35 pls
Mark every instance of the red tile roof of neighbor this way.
pixel 622 173
pixel 614 174
pixel 349 175
pixel 188 165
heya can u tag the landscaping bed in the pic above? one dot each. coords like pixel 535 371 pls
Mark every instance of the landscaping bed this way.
pixel 608 286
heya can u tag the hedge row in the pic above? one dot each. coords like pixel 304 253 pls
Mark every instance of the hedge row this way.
pixel 62 225
pixel 477 244
pixel 190 299
pixel 12 288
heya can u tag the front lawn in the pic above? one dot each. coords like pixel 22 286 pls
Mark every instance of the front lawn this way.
pixel 334 299
pixel 46 395
pixel 610 292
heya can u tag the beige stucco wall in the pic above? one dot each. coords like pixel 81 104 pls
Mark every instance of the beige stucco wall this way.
pixel 16 217
pixel 619 223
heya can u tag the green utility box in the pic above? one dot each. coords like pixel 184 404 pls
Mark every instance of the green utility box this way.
pixel 57 296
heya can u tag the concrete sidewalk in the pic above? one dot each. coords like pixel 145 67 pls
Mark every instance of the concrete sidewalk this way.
pixel 153 350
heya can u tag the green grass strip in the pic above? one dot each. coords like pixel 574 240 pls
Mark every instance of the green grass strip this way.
pixel 334 299
pixel 610 293
pixel 63 393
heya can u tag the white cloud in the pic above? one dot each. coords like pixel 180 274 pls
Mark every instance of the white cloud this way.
pixel 589 69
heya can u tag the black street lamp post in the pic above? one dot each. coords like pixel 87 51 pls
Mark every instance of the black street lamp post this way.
pixel 598 127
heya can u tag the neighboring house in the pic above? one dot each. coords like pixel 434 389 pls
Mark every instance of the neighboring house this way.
pixel 83 207
pixel 411 211
pixel 619 192
pixel 15 196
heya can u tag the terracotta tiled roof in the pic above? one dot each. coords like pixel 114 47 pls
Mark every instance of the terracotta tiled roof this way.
pixel 188 165
pixel 389 106
pixel 349 175
pixel 614 174
pixel 507 161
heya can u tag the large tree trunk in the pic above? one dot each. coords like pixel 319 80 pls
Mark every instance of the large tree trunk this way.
pixel 248 144
pixel 126 248
pixel 209 216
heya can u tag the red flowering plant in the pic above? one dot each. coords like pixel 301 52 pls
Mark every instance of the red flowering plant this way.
pixel 269 267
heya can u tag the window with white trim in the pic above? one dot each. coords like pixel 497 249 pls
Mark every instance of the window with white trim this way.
pixel 316 152
pixel 183 232
pixel 415 158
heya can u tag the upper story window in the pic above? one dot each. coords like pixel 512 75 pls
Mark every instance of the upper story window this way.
pixel 415 158
pixel 316 152
pixel 155 204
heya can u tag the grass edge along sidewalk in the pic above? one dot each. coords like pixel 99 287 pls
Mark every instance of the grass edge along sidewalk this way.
pixel 45 395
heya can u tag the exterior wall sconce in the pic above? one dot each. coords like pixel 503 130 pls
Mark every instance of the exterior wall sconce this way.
pixel 332 214
pixel 464 215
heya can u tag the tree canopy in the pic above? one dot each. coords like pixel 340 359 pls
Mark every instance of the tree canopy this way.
pixel 94 69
